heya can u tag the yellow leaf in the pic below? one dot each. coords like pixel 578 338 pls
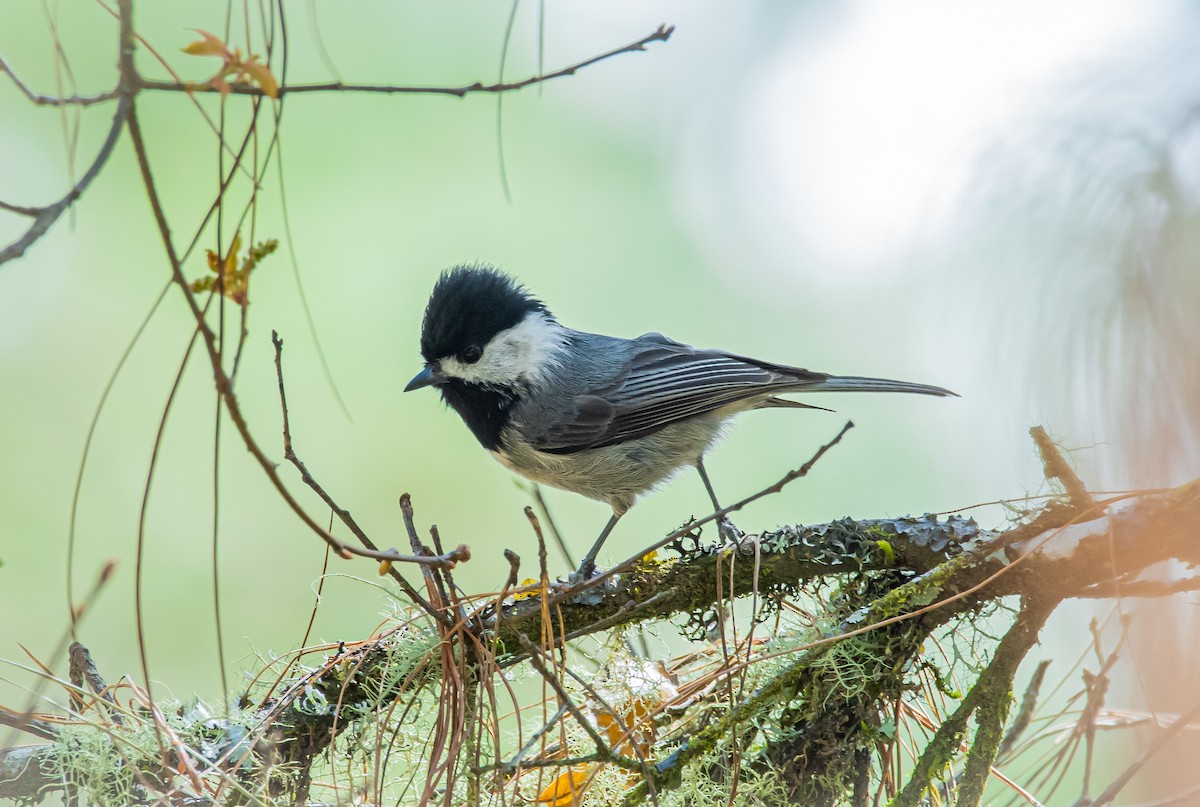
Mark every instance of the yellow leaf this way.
pixel 525 595
pixel 609 725
pixel 564 790
pixel 261 74
pixel 210 45
pixel 641 731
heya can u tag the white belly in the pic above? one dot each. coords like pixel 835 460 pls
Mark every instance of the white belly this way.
pixel 619 473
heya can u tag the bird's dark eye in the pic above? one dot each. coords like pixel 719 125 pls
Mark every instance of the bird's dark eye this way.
pixel 471 354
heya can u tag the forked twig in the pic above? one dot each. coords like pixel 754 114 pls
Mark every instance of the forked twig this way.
pixel 290 455
pixel 1156 745
pixel 602 750
pixel 661 34
pixel 689 527
pixel 131 83
pixel 44 217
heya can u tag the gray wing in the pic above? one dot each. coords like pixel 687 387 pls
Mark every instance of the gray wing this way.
pixel 665 382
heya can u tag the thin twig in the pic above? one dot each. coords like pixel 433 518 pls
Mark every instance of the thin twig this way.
pixel 290 455
pixel 514 569
pixel 540 501
pixel 131 83
pixel 602 749
pixel 992 685
pixel 1057 467
pixel 622 615
pixel 30 725
pixel 460 553
pixel 50 100
pixel 1095 689
pixel 221 378
pixel 511 766
pixel 134 79
pixel 691 526
pixel 83 670
pixel 78 612
pixel 44 217
pixel 541 540
pixel 1156 745
pixel 662 34
pixel 1028 707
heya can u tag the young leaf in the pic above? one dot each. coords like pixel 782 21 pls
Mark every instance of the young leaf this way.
pixel 210 45
pixel 260 74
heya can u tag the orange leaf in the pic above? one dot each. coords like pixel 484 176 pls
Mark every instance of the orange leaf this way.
pixel 641 731
pixel 564 790
pixel 609 725
pixel 262 76
pixel 210 45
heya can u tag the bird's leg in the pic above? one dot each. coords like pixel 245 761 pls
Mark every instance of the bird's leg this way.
pixel 726 527
pixel 589 560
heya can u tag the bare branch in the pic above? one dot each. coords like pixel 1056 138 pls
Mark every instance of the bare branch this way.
pixel 30 725
pixel 50 100
pixel 564 697
pixel 461 553
pixel 84 671
pixel 990 694
pixel 1029 704
pixel 44 217
pixel 131 83
pixel 1156 745
pixel 1057 467
pixel 662 34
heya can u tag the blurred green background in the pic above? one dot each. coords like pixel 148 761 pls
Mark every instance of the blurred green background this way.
pixel 834 186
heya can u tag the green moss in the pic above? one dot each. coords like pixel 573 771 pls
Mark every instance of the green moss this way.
pixel 87 760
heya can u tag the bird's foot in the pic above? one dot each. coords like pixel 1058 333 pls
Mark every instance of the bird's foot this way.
pixel 586 571
pixel 729 532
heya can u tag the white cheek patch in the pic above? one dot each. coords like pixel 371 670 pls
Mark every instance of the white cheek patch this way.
pixel 519 355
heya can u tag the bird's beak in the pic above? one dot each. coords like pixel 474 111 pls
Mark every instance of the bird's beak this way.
pixel 426 378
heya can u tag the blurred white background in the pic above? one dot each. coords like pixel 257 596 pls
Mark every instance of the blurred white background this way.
pixel 996 198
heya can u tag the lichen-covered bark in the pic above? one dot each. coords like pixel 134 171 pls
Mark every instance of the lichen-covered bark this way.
pixel 935 571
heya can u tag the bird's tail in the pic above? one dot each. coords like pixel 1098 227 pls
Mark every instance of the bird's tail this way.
pixel 850 383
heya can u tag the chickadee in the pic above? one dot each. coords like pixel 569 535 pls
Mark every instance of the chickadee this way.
pixel 603 416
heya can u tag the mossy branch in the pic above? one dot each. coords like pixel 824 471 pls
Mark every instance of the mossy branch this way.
pixel 990 699
pixel 940 568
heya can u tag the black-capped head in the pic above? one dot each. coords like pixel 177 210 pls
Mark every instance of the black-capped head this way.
pixel 485 341
pixel 469 305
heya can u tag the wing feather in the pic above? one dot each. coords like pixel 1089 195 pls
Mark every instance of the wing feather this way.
pixel 665 382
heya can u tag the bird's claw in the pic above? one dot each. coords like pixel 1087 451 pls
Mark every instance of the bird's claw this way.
pixel 729 532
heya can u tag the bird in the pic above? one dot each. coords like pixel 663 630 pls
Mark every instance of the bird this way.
pixel 602 416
